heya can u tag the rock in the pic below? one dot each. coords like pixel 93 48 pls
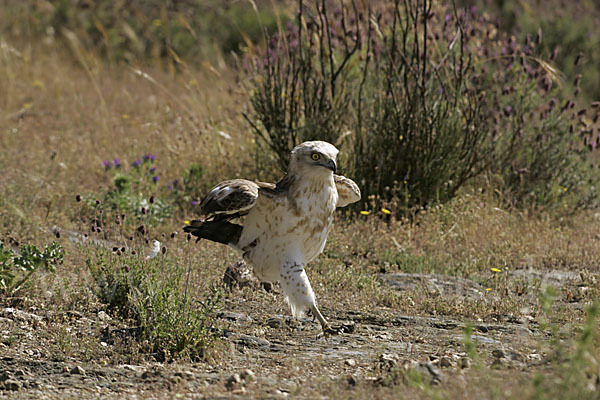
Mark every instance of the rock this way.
pixel 104 317
pixel 498 353
pixel 233 316
pixel 445 362
pixel 352 381
pixel 275 323
pixel 77 370
pixel 464 363
pixel 435 372
pixel 387 362
pixel 19 315
pixel 350 362
pixel 233 382
pixel 252 341
pixel 11 384
pixel 248 375
pixel 515 356
pixel 267 287
pixel 239 275
pixel 5 375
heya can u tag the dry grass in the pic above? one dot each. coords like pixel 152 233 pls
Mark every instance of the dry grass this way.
pixel 63 112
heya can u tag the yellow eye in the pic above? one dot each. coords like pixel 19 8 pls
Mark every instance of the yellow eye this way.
pixel 315 156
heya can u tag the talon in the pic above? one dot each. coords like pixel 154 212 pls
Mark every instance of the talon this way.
pixel 329 331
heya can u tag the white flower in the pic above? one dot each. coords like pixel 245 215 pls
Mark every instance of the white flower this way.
pixel 154 249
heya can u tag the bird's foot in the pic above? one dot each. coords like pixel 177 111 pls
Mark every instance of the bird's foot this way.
pixel 328 330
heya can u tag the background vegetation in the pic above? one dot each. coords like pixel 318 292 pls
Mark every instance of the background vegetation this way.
pixel 472 130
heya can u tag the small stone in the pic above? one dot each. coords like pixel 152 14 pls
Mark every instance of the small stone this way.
pixel 387 362
pixel 248 375
pixel 11 384
pixel 5 375
pixel 233 382
pixel 445 362
pixel 77 370
pixel 102 316
pixel 350 362
pixel 435 372
pixel 275 323
pixel 464 363
pixel 352 381
pixel 498 353
pixel 515 356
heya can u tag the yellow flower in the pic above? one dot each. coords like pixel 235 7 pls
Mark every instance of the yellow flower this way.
pixel 27 106
pixel 365 212
pixel 157 22
pixel 386 211
pixel 487 289
pixel 495 270
pixel 186 222
pixel 125 116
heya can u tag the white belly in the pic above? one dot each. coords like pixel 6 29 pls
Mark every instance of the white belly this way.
pixel 284 233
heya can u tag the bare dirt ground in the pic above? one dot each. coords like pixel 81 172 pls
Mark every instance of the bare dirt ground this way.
pixel 265 353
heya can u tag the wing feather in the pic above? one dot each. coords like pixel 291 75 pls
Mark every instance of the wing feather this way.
pixel 348 190
pixel 230 197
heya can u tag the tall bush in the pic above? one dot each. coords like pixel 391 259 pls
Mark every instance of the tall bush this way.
pixel 433 96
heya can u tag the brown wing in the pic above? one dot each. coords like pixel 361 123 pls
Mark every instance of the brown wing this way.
pixel 235 196
pixel 348 191
pixel 271 190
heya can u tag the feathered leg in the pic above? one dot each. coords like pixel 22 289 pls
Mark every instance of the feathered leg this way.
pixel 299 294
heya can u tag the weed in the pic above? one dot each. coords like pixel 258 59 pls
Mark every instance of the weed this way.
pixel 17 269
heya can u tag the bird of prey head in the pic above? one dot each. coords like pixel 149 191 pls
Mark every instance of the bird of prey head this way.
pixel 316 157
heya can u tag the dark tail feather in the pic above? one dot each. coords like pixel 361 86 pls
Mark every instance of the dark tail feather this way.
pixel 218 231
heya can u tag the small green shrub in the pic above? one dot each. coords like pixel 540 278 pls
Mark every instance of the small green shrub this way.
pixel 150 292
pixel 17 269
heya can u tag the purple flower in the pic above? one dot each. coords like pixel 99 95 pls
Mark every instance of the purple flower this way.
pixel 107 164
pixel 152 170
pixel 447 18
pixel 152 158
pixel 117 163
pixel 194 203
pixel 507 110
pixel 156 179
pixel 137 163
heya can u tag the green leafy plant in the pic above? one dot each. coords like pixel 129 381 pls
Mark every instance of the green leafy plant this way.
pixel 150 293
pixel 17 269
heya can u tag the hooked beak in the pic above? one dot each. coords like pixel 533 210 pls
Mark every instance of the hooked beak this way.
pixel 331 165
